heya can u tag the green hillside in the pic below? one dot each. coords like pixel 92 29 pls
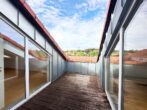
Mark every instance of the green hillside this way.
pixel 87 52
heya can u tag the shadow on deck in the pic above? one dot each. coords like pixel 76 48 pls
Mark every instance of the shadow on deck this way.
pixel 70 92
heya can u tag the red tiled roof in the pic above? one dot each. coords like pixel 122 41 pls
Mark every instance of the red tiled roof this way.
pixel 82 59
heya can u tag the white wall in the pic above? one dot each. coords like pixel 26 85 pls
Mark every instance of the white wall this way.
pixel 82 68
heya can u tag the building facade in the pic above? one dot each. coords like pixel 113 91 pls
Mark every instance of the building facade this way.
pixel 30 59
pixel 122 60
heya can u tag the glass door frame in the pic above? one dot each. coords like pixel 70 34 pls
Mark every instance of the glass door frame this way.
pixel 26 60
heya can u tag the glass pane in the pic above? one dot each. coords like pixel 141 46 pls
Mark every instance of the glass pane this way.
pixel 135 61
pixel 10 33
pixel 113 75
pixel 12 74
pixel 38 67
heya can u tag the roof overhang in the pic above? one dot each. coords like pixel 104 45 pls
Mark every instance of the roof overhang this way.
pixel 111 5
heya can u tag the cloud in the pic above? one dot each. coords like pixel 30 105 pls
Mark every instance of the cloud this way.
pixel 36 2
pixel 91 5
pixel 37 5
pixel 82 5
pixel 72 31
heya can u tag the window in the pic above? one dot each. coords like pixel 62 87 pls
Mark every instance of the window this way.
pixel 38 67
pixel 12 74
pixel 12 66
pixel 113 74
pixel 135 61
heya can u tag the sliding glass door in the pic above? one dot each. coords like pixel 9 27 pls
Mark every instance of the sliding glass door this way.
pixel 12 68
pixel 135 61
pixel 112 74
pixel 13 63
pixel 38 67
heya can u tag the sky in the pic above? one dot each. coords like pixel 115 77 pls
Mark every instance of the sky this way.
pixel 74 24
pixel 136 33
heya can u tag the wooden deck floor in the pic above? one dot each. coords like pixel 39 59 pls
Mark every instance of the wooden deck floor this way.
pixel 70 92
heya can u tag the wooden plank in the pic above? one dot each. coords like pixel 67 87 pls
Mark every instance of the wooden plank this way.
pixel 70 92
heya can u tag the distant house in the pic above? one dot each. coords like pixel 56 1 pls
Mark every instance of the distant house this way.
pixel 139 59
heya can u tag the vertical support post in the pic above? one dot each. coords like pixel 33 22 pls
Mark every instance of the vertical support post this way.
pixel 102 71
pixel 87 68
pixel 48 70
pixel 51 68
pixel 111 77
pixel 95 68
pixel 107 72
pixel 80 70
pixel 53 65
pixel 121 85
pixel 105 67
pixel 27 67
pixel 61 67
pixel 57 66
pixel 17 65
pixel 2 94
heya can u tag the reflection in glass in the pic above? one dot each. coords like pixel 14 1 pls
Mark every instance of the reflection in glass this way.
pixel 12 80
pixel 38 67
pixel 6 30
pixel 113 75
pixel 135 61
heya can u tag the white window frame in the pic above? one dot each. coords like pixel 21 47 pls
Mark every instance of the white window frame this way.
pixel 28 96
